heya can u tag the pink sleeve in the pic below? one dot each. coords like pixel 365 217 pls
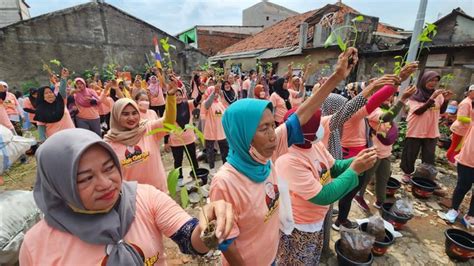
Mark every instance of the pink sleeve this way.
pixel 281 140
pixel 379 97
pixel 4 120
pixel 218 192
pixel 168 215
pixel 158 123
pixel 300 178
pixel 464 109
pixel 273 100
pixel 25 256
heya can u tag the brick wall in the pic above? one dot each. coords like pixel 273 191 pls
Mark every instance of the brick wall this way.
pixel 211 42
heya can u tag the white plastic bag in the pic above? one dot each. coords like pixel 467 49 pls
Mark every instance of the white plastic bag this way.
pixel 18 214
pixel 287 223
pixel 11 148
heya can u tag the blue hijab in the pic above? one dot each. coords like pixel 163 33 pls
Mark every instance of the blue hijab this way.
pixel 240 123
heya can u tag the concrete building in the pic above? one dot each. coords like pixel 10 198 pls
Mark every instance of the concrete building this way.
pixel 87 35
pixel 12 11
pixel 212 39
pixel 265 14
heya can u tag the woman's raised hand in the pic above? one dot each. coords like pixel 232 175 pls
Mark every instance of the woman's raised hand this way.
pixel 346 62
pixel 222 213
pixel 407 70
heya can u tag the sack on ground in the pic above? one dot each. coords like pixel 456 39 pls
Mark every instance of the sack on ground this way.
pixel 356 245
pixel 402 207
pixel 376 228
pixel 11 148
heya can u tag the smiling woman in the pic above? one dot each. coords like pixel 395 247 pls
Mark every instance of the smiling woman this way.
pixel 92 216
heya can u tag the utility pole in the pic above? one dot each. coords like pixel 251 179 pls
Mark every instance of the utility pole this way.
pixel 414 43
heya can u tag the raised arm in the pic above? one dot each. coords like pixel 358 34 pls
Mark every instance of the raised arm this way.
pixel 63 82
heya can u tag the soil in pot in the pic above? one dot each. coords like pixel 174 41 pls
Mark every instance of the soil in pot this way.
pixel 459 244
pixel 208 236
pixel 380 247
pixel 396 220
pixel 422 187
pixel 343 260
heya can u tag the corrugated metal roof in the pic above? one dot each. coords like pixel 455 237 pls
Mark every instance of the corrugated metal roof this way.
pixel 280 52
pixel 246 54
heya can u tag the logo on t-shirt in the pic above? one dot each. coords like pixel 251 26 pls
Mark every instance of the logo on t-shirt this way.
pixel 324 174
pixel 146 261
pixel 272 199
pixel 133 155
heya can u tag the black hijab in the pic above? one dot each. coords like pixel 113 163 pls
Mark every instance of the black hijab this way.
pixel 182 112
pixel 422 93
pixel 48 112
pixel 30 96
pixel 284 94
pixel 229 95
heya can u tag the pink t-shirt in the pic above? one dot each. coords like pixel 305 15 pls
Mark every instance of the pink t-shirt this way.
pixel 64 123
pixel 150 115
pixel 246 85
pixel 307 171
pixel 325 124
pixel 157 99
pixel 4 120
pixel 213 129
pixel 142 162
pixel 11 104
pixel 295 102
pixel 106 106
pixel 465 110
pixel 465 156
pixel 353 132
pixel 27 104
pixel 187 137
pixel 383 151
pixel 425 125
pixel 279 106
pixel 256 223
pixel 156 215
pixel 91 112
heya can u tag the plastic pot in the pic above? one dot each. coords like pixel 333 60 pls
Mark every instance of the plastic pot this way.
pixel 380 248
pixel 202 174
pixel 397 221
pixel 343 260
pixel 444 143
pixel 392 186
pixel 459 244
pixel 422 187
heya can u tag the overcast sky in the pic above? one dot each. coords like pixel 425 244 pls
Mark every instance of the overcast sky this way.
pixel 174 16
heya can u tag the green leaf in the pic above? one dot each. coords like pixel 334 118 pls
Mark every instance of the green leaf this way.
pixel 398 57
pixel 358 18
pixel 196 131
pixel 158 130
pixel 172 181
pixel 424 39
pixel 55 62
pixel 184 197
pixel 342 45
pixel 330 40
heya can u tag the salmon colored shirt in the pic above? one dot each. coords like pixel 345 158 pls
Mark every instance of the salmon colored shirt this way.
pixel 92 112
pixel 156 215
pixel 11 104
pixel 64 123
pixel 279 106
pixel 465 110
pixel 142 162
pixel 187 137
pixel 325 124
pixel 307 171
pixel 213 129
pixel 353 132
pixel 425 125
pixel 255 205
pixel 27 104
pixel 4 120
pixel 383 151
pixel 106 106
pixel 466 155
pixel 150 115
pixel 157 99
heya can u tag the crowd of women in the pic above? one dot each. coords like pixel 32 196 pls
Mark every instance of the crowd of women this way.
pixel 287 157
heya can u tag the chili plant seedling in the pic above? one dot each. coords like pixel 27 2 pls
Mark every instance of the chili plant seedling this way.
pixel 336 36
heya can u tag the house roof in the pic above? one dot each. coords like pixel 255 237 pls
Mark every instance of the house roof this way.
pixel 266 3
pixel 285 33
pixel 456 11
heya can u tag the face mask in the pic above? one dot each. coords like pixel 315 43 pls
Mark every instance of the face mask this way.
pixel 3 95
pixel 319 136
pixel 257 156
pixel 144 105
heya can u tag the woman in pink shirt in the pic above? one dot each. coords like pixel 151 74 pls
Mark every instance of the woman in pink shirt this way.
pixel 249 181
pixel 281 98
pixel 93 217
pixel 4 120
pixel 87 102
pixel 29 105
pixel 157 99
pixel 143 103
pixel 213 130
pixel 315 180
pixel 13 108
pixel 459 128
pixel 139 153
pixel 425 107
pixel 51 113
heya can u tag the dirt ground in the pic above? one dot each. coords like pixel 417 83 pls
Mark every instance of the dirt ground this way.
pixel 423 236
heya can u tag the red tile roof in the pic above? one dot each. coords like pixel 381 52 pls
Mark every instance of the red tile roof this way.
pixel 285 33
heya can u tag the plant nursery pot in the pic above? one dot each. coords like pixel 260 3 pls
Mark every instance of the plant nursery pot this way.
pixel 392 186
pixel 444 143
pixel 202 174
pixel 459 244
pixel 397 221
pixel 422 187
pixel 380 248
pixel 344 261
